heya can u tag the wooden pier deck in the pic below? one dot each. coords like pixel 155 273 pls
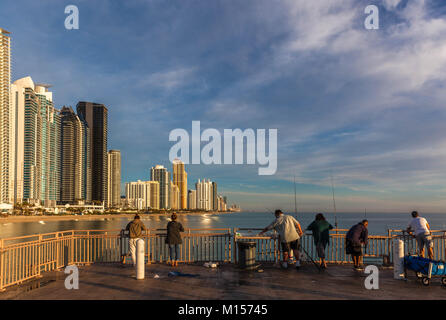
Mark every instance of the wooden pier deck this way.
pixel 105 281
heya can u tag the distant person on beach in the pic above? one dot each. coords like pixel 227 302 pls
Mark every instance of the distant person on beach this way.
pixel 135 229
pixel 357 236
pixel 320 228
pixel 173 239
pixel 422 231
pixel 290 233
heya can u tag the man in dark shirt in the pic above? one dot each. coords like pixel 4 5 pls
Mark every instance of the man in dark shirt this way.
pixel 135 229
pixel 355 238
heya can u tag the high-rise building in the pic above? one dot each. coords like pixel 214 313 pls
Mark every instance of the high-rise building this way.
pixel 214 196
pixel 96 117
pixel 160 174
pixel 142 195
pixel 75 158
pixel 114 178
pixel 192 200
pixel 179 178
pixel 36 144
pixel 6 188
pixel 18 89
pixel 50 144
pixel 174 196
pixel 204 195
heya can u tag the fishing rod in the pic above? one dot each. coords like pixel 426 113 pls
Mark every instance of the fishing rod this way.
pixel 295 213
pixel 295 198
pixel 334 203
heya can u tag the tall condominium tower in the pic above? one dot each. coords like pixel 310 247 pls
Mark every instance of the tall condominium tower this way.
pixel 142 194
pixel 96 117
pixel 179 178
pixel 204 195
pixel 174 196
pixel 114 178
pixel 6 188
pixel 75 158
pixel 192 200
pixel 160 174
pixel 18 90
pixel 36 141
pixel 214 196
pixel 50 135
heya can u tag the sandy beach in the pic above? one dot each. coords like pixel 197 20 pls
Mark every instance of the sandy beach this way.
pixel 17 218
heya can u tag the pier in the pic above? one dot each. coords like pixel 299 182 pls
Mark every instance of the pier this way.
pixel 31 267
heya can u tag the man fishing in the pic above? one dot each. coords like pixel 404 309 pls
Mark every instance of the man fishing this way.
pixel 290 233
pixel 422 230
pixel 135 229
pixel 357 236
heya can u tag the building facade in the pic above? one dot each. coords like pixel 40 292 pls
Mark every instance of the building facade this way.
pixel 192 200
pixel 214 196
pixel 160 174
pixel 36 144
pixel 6 188
pixel 174 196
pixel 204 195
pixel 114 178
pixel 179 178
pixel 75 158
pixel 50 146
pixel 143 195
pixel 96 117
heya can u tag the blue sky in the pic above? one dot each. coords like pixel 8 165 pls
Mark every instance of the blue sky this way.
pixel 366 106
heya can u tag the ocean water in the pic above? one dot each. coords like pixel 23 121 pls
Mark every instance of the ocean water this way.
pixel 379 223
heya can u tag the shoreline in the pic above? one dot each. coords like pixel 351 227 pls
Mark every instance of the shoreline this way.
pixel 16 218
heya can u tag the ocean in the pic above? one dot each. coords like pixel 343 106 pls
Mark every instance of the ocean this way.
pixel 379 223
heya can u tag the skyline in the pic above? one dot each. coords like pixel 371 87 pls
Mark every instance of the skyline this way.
pixel 377 127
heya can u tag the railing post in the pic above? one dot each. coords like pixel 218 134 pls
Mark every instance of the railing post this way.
pixel 233 258
pixel 444 245
pixel 2 265
pixel 39 260
pixel 88 248
pixel 188 244
pixel 57 250
pixel 73 260
pixel 389 245
pixel 149 260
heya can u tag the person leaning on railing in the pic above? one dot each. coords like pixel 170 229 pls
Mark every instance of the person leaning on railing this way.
pixel 135 229
pixel 173 239
pixel 422 231
pixel 357 236
pixel 290 233
pixel 321 236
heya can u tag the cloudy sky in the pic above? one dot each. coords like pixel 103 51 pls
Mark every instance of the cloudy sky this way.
pixel 367 107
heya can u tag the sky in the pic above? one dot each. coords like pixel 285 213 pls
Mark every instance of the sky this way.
pixel 364 107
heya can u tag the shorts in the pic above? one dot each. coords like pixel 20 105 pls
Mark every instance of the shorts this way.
pixel 293 245
pixel 320 248
pixel 424 239
pixel 355 249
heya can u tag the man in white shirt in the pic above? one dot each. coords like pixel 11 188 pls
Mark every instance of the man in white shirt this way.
pixel 422 232
pixel 289 234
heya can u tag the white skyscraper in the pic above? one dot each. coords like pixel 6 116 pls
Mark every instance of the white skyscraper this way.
pixel 6 181
pixel 192 200
pixel 143 194
pixel 204 195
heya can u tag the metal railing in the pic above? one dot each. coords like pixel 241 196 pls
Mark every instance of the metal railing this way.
pixel 27 257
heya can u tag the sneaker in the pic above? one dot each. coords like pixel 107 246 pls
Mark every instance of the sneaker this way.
pixel 297 264
pixel 284 265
